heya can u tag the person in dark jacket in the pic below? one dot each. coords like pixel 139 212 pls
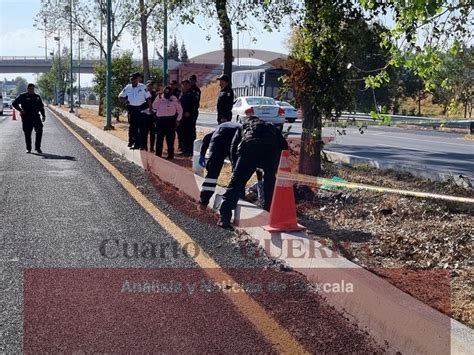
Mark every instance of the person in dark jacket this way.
pixel 150 129
pixel 225 101
pixel 257 144
pixel 187 126
pixel 219 142
pixel 30 106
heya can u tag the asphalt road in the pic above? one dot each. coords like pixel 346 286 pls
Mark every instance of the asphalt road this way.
pixel 85 267
pixel 439 151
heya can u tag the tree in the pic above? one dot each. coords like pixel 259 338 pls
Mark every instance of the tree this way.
pixel 21 84
pixel 183 55
pixel 319 63
pixel 173 50
pixel 322 45
pixel 237 13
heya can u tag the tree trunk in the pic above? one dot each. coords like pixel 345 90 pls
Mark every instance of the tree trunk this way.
pixel 419 103
pixel 311 143
pixel 226 33
pixel 144 36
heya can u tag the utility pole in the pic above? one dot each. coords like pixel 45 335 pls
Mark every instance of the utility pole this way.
pixel 45 39
pixel 108 95
pixel 58 98
pixel 165 43
pixel 79 70
pixel 71 82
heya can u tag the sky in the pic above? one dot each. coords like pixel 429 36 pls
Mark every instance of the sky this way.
pixel 18 37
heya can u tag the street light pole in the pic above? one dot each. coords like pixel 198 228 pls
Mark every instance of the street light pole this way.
pixel 45 40
pixel 79 70
pixel 108 95
pixel 71 82
pixel 58 38
pixel 165 43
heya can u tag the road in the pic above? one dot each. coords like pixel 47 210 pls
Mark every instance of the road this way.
pixel 93 259
pixel 439 151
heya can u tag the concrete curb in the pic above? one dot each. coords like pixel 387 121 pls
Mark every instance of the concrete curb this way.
pixel 416 170
pixel 391 316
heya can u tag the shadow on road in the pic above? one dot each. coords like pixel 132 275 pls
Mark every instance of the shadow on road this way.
pixel 55 157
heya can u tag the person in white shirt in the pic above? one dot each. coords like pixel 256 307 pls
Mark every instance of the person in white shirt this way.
pixel 168 113
pixel 137 98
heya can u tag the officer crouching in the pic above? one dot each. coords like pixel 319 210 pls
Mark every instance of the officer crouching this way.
pixel 219 142
pixel 257 144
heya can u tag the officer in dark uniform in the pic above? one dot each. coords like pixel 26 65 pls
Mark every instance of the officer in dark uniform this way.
pixel 225 100
pixel 257 144
pixel 30 106
pixel 187 126
pixel 175 89
pixel 219 142
pixel 195 89
pixel 150 117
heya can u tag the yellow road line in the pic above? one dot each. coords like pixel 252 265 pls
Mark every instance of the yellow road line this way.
pixel 273 332
pixel 314 180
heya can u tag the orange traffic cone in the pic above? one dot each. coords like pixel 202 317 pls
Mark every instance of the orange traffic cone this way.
pixel 14 115
pixel 283 208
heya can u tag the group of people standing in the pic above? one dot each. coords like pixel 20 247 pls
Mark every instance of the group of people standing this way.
pixel 155 116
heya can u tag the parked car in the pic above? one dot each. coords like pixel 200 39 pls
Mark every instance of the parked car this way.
pixel 290 112
pixel 1 105
pixel 8 101
pixel 263 107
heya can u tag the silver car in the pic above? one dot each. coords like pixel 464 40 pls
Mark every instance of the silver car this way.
pixel 263 107
pixel 291 114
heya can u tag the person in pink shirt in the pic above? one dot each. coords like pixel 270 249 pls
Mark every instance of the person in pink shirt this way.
pixel 168 114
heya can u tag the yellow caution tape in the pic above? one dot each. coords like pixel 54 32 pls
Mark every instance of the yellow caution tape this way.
pixel 314 180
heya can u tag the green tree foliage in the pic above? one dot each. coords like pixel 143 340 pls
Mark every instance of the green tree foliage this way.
pixel 173 50
pixel 57 79
pixel 324 43
pixel 21 84
pixel 183 54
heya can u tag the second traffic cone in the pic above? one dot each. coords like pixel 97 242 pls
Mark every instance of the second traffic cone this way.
pixel 14 115
pixel 283 208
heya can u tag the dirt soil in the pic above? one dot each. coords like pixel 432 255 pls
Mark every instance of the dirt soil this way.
pixel 424 247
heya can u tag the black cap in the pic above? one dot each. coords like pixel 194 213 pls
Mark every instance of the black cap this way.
pixel 31 85
pixel 224 77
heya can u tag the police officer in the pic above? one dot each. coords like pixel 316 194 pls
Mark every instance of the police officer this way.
pixel 175 89
pixel 150 118
pixel 168 113
pixel 195 89
pixel 30 106
pixel 187 126
pixel 257 144
pixel 137 98
pixel 225 100
pixel 219 142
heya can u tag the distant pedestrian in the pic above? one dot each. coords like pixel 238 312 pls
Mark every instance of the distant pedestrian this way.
pixel 225 101
pixel 219 142
pixel 30 106
pixel 187 126
pixel 257 144
pixel 168 113
pixel 137 98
